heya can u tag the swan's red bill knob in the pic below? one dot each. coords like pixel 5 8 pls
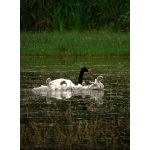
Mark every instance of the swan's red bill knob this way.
pixel 89 70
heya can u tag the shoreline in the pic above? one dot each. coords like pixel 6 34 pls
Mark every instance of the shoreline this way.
pixel 74 56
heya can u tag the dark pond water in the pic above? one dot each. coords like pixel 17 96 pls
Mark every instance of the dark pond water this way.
pixel 89 120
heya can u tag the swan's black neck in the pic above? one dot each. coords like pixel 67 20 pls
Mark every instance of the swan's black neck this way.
pixel 84 69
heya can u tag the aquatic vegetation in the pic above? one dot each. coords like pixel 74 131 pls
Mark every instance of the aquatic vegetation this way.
pixel 70 129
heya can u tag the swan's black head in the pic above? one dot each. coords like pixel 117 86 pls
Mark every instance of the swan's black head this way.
pixel 84 69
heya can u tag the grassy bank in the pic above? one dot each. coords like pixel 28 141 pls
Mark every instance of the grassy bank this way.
pixel 74 44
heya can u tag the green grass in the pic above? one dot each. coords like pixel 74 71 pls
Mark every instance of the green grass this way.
pixel 92 43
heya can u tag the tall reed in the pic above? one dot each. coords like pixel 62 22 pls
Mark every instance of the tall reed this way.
pixel 62 15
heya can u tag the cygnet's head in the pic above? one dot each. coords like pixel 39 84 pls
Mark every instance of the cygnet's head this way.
pixel 48 80
pixel 83 83
pixel 99 78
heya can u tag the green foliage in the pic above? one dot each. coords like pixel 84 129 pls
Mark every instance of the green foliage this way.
pixel 62 15
pixel 75 44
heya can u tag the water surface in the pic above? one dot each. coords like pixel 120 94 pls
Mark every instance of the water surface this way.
pixel 81 120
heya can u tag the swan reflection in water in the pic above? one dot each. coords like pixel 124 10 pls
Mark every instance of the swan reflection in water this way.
pixel 97 95
pixel 82 96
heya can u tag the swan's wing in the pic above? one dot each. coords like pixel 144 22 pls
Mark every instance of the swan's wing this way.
pixel 57 81
pixel 70 83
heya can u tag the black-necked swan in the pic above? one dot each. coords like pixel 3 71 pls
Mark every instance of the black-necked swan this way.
pixel 61 84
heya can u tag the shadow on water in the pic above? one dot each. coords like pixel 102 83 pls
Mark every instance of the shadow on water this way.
pixel 80 119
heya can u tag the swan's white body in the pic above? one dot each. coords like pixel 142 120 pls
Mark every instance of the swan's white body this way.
pixel 61 84
pixel 77 87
